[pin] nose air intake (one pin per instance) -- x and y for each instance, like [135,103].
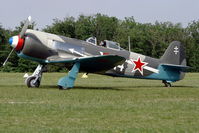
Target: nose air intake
[16,42]
[11,40]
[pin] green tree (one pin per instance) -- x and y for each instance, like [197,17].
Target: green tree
[192,45]
[65,27]
[4,46]
[105,27]
[84,27]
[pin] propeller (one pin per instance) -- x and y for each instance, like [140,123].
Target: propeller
[17,42]
[8,57]
[23,31]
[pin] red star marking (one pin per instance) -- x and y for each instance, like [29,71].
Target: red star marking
[139,65]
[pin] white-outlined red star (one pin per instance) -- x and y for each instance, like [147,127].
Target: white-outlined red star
[139,64]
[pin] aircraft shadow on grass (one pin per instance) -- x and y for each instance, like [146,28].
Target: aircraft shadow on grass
[81,87]
[118,88]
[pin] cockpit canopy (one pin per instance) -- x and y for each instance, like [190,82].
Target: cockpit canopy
[112,45]
[92,40]
[105,43]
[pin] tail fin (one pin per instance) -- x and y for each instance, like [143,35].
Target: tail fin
[175,54]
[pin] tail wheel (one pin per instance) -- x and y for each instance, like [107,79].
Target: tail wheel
[32,83]
[166,84]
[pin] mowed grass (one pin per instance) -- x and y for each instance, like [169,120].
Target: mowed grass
[99,104]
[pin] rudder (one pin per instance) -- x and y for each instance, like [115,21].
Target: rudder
[175,54]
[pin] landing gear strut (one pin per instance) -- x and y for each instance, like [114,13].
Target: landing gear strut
[167,84]
[68,81]
[35,79]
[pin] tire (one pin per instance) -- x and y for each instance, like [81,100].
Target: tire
[167,84]
[30,83]
[61,88]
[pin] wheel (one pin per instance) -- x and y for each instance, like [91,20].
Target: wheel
[31,82]
[167,84]
[61,88]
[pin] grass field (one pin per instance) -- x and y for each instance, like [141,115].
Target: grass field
[99,104]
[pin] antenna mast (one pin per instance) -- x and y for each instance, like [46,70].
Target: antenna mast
[129,39]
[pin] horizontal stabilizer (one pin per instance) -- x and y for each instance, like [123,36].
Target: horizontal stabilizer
[182,68]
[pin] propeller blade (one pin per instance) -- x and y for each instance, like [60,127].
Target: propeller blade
[8,57]
[23,31]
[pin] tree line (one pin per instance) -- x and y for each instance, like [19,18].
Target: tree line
[148,39]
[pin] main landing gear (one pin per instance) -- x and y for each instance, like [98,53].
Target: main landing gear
[65,82]
[35,79]
[68,81]
[166,83]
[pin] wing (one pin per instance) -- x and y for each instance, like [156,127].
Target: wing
[178,67]
[100,63]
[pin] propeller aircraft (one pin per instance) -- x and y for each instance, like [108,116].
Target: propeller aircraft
[107,58]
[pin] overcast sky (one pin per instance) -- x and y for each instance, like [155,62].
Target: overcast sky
[144,11]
